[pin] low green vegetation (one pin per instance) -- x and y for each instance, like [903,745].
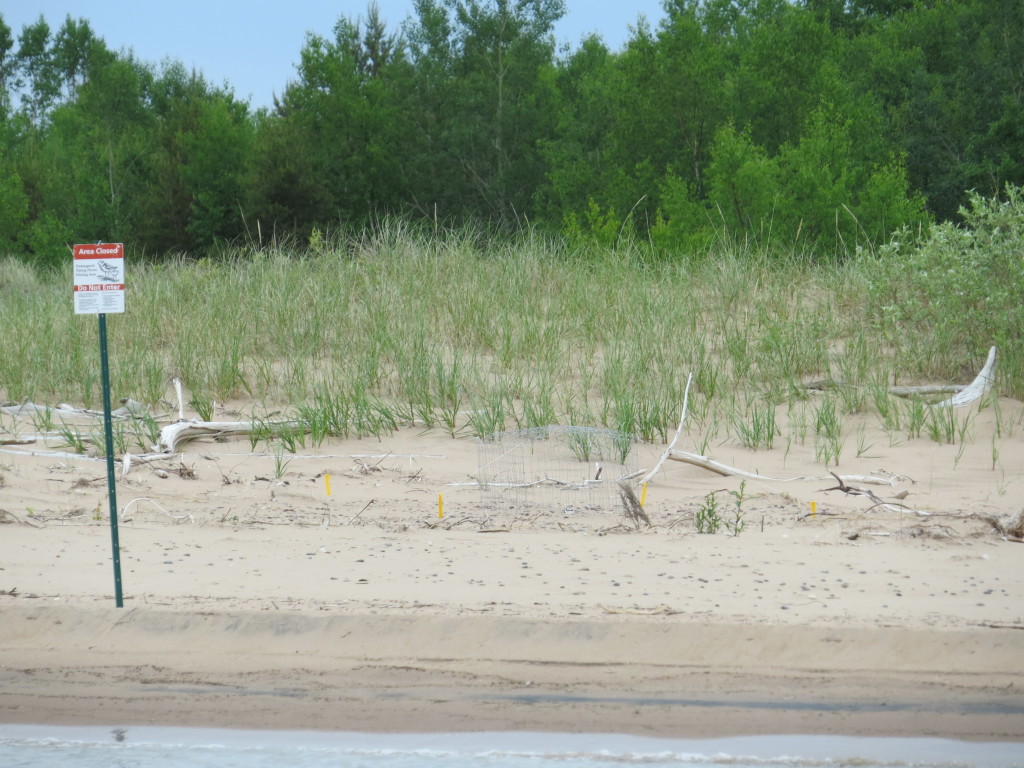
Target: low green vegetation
[710,517]
[470,335]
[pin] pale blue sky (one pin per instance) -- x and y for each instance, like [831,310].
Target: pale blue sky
[254,44]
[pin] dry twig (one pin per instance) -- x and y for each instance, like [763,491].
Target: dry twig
[850,490]
[661,610]
[631,504]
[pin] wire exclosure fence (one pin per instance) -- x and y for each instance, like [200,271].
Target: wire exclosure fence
[556,468]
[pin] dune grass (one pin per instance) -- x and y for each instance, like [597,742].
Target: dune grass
[472,335]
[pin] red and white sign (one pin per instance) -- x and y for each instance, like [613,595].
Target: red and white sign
[99,278]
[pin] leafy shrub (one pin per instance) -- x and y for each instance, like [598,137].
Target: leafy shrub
[603,227]
[947,297]
[708,517]
[46,240]
[814,194]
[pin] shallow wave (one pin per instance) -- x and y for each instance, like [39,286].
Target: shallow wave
[41,746]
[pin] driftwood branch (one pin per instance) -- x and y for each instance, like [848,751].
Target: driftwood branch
[978,388]
[174,434]
[181,400]
[668,452]
[21,520]
[962,394]
[719,468]
[661,610]
[130,409]
[572,486]
[850,490]
[725,470]
[927,389]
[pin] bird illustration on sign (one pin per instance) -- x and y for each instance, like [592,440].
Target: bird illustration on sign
[109,271]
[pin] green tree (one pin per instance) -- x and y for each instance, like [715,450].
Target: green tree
[7,63]
[689,86]
[648,123]
[887,203]
[336,146]
[574,154]
[485,73]
[744,185]
[948,75]
[80,171]
[815,193]
[218,150]
[13,202]
[193,171]
[778,78]
[74,50]
[638,149]
[436,184]
[287,190]
[37,78]
[818,175]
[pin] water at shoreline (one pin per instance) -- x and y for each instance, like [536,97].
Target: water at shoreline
[153,747]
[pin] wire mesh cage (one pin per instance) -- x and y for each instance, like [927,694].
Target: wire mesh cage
[556,468]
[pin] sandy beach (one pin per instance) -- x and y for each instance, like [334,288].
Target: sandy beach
[252,599]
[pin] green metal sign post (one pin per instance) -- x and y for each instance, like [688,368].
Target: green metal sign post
[99,289]
[108,434]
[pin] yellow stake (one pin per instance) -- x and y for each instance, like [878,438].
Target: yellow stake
[814,510]
[440,506]
[643,494]
[327,483]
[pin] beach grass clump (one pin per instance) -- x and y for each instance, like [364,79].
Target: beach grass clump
[757,428]
[72,437]
[828,429]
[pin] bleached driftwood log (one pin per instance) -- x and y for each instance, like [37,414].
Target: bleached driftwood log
[130,409]
[927,389]
[725,470]
[962,394]
[28,407]
[174,434]
[719,468]
[181,400]
[978,388]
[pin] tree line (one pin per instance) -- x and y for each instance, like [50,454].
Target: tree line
[820,125]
